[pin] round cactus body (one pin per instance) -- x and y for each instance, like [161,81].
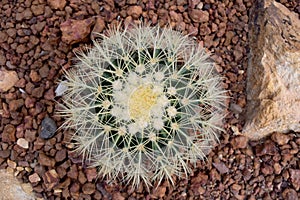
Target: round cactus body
[144,103]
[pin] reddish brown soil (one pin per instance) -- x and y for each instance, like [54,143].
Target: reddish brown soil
[31,44]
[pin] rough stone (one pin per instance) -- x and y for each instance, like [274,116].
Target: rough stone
[4,153]
[33,178]
[16,104]
[98,28]
[239,142]
[289,194]
[273,74]
[48,128]
[199,15]
[8,134]
[159,192]
[11,188]
[23,143]
[57,4]
[295,178]
[51,179]
[280,138]
[88,188]
[134,11]
[38,9]
[268,148]
[7,80]
[46,160]
[117,196]
[221,167]
[91,174]
[74,31]
[60,155]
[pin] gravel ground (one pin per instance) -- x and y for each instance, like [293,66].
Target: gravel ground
[37,44]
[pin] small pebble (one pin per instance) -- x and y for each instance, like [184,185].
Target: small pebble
[48,128]
[23,143]
[11,164]
[33,178]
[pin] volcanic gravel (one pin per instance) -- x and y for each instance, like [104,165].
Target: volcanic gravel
[37,40]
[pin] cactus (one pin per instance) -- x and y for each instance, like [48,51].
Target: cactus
[144,103]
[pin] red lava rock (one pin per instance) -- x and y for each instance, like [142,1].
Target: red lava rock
[232,76]
[236,187]
[81,177]
[62,172]
[49,94]
[46,160]
[16,104]
[12,32]
[73,173]
[43,71]
[267,169]
[277,168]
[181,2]
[74,190]
[221,167]
[295,178]
[204,29]
[38,92]
[175,16]
[214,175]
[3,36]
[37,9]
[280,138]
[60,155]
[34,76]
[208,40]
[229,36]
[2,58]
[131,2]
[57,4]
[99,25]
[201,179]
[239,142]
[91,174]
[221,29]
[64,184]
[289,194]
[268,148]
[246,174]
[26,14]
[4,153]
[238,52]
[33,178]
[8,134]
[74,31]
[30,135]
[134,11]
[38,27]
[29,87]
[199,15]
[50,179]
[88,188]
[159,192]
[117,196]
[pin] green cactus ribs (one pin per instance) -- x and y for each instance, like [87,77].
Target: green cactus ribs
[127,64]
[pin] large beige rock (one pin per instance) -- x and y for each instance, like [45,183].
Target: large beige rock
[273,74]
[12,189]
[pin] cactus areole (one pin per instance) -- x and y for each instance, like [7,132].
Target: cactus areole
[144,102]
